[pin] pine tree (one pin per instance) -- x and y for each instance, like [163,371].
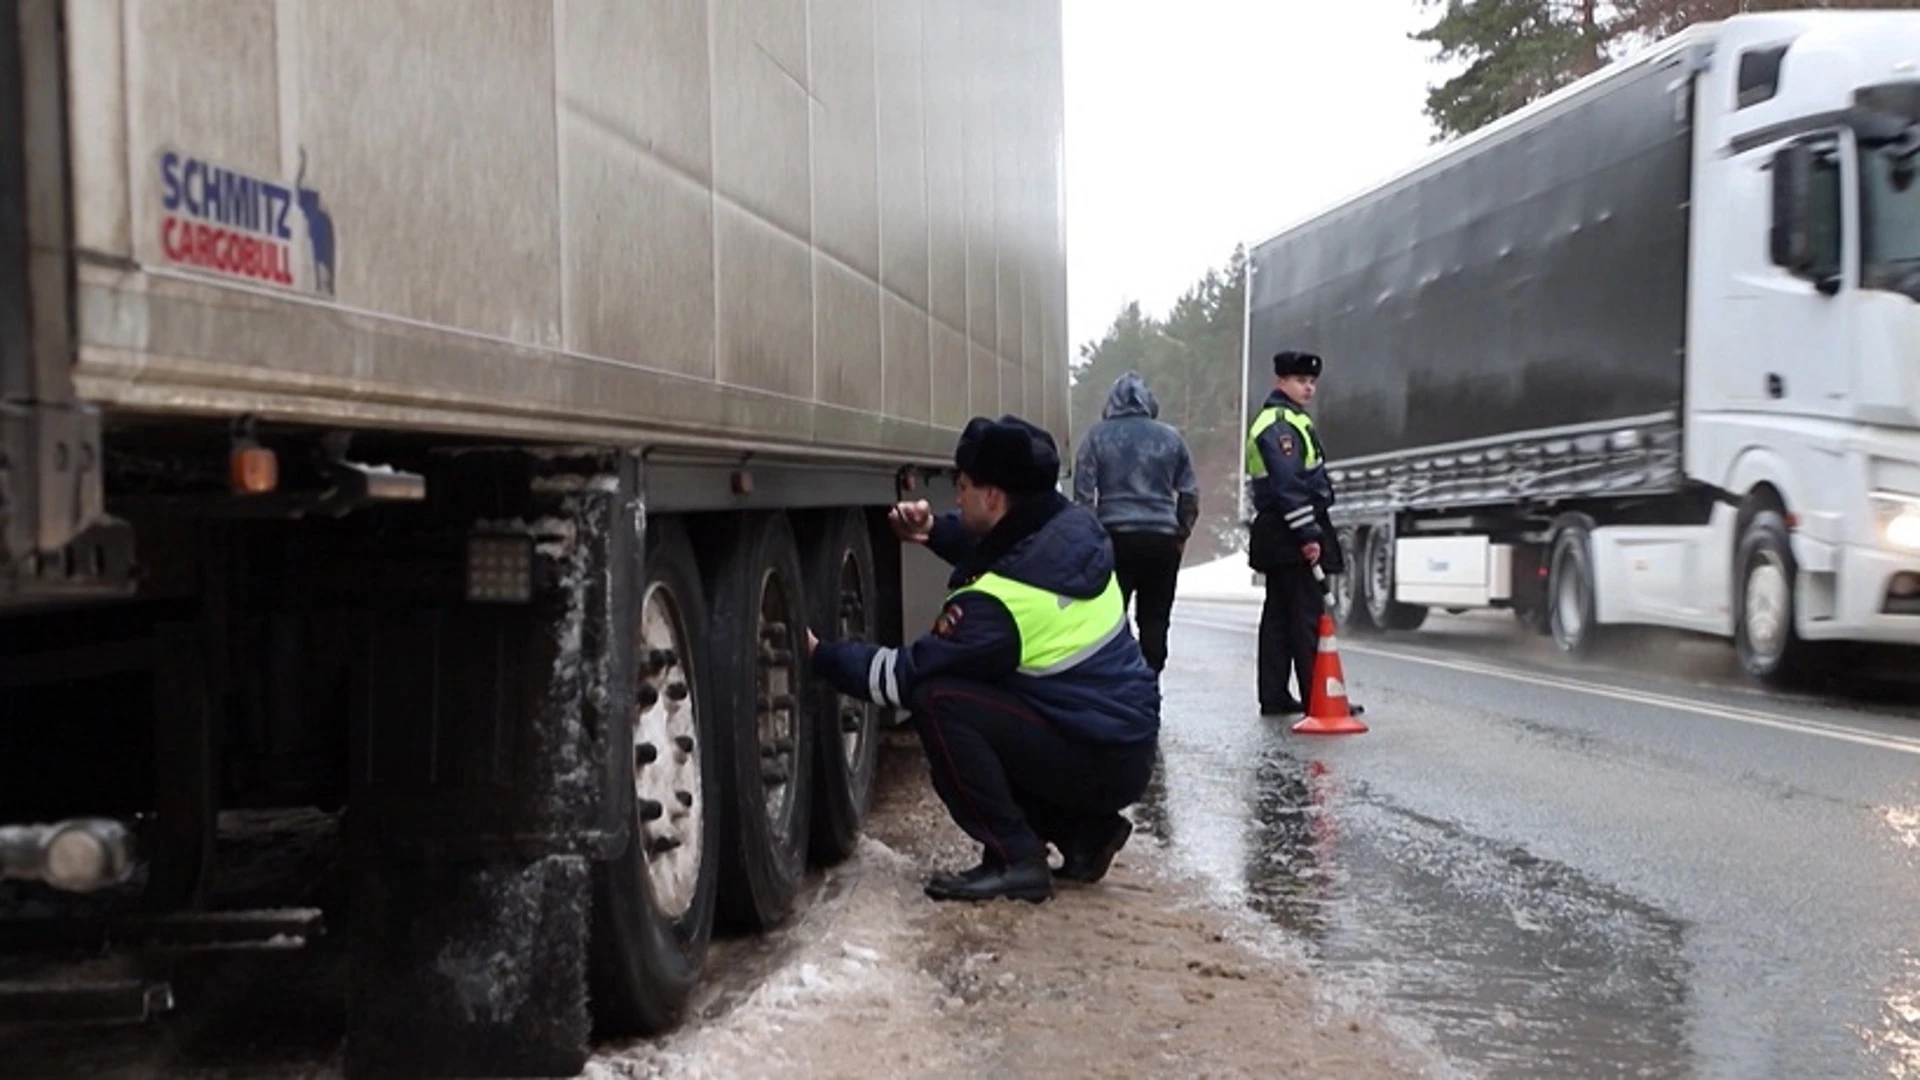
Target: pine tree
[1514,52]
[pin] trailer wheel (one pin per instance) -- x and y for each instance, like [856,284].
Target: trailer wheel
[843,598]
[1571,611]
[760,678]
[1347,601]
[1765,637]
[653,905]
[1386,612]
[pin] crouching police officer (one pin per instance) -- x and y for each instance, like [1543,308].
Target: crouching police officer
[1291,494]
[1039,716]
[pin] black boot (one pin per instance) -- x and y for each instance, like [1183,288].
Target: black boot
[1028,879]
[1088,861]
[990,864]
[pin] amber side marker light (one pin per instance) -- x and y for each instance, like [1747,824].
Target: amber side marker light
[253,470]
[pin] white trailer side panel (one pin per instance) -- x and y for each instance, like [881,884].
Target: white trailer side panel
[813,226]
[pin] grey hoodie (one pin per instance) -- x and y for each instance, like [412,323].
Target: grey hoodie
[1134,471]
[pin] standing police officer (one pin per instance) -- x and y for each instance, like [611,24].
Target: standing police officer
[1291,494]
[1039,716]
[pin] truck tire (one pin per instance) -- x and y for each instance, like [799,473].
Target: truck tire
[1386,612]
[653,905]
[1571,610]
[842,597]
[1346,599]
[759,676]
[1764,632]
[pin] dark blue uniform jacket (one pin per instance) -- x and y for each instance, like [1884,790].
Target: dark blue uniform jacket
[1046,542]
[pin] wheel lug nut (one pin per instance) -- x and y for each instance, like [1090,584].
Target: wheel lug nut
[650,810]
[647,696]
[676,691]
[685,798]
[684,742]
[646,754]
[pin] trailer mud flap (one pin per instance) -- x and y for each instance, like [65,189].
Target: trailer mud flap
[480,772]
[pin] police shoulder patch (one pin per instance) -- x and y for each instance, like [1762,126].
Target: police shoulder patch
[1286,443]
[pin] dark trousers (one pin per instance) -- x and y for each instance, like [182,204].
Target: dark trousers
[1148,564]
[1289,634]
[1013,780]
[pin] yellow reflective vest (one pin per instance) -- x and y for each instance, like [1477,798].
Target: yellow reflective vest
[1057,633]
[1296,419]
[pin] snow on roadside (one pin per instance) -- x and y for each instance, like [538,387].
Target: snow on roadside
[1226,578]
[851,995]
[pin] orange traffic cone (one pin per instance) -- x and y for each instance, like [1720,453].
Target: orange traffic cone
[1328,712]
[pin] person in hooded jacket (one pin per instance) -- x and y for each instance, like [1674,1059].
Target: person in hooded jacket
[1039,717]
[1137,476]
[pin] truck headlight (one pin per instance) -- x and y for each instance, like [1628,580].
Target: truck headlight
[1898,518]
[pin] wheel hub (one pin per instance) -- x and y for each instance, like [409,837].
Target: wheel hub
[1569,609]
[1379,575]
[1767,603]
[1342,596]
[666,766]
[775,706]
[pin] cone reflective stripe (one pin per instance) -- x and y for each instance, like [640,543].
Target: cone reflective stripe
[1328,712]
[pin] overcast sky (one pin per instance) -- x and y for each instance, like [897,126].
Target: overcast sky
[1192,125]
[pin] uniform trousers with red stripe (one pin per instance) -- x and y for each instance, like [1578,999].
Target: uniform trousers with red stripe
[1014,780]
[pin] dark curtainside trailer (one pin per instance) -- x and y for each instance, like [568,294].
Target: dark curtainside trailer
[1520,298]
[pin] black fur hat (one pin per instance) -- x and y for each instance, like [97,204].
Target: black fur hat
[1296,363]
[1009,454]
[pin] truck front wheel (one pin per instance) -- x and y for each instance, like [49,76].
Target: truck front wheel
[1765,637]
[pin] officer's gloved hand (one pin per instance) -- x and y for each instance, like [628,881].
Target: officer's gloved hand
[912,521]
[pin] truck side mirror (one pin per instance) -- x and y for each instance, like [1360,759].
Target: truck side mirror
[1792,199]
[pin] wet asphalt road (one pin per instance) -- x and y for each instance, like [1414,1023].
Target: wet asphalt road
[1636,867]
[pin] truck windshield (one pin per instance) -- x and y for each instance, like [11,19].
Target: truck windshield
[1890,223]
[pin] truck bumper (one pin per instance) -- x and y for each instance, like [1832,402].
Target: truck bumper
[1868,608]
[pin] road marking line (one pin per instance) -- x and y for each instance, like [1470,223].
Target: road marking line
[1903,744]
